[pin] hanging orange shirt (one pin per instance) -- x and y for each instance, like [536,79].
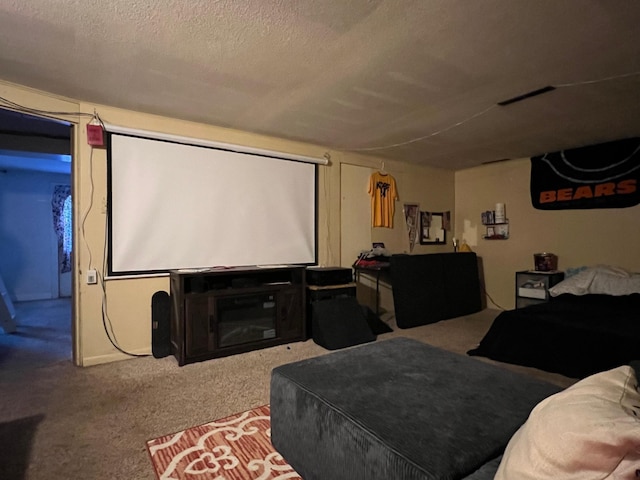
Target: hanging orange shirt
[383,193]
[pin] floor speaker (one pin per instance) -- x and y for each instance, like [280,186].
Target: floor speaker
[160,324]
[339,323]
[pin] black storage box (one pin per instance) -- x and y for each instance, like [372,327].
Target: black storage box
[329,275]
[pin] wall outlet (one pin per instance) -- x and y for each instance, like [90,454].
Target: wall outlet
[92,277]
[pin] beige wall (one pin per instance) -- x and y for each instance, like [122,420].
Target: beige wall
[127,302]
[431,188]
[578,237]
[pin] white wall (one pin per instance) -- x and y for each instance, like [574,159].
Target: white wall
[28,244]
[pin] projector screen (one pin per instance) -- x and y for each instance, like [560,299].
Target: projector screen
[178,206]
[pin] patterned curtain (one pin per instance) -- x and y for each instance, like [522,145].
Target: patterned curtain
[61,207]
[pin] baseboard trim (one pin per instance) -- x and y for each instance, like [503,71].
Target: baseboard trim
[111,357]
[32,297]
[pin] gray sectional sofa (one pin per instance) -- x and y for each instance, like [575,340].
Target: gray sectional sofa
[398,409]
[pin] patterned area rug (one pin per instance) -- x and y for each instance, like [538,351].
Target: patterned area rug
[232,448]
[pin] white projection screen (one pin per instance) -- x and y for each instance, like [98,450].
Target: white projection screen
[178,206]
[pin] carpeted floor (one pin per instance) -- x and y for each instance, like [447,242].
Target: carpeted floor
[43,335]
[16,437]
[377,326]
[94,422]
[237,447]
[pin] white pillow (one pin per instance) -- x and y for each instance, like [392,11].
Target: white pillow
[591,430]
[601,279]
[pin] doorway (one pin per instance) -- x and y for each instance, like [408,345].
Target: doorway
[35,181]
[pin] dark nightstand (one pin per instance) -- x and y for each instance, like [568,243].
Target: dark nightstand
[533,286]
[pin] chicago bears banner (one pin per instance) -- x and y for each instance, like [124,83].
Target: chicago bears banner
[599,176]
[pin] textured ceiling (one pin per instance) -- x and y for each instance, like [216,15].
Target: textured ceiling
[420,78]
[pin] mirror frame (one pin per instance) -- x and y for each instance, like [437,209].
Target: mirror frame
[432,230]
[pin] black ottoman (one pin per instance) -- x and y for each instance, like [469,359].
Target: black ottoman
[397,409]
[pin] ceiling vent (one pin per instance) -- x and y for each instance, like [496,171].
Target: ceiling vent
[533,93]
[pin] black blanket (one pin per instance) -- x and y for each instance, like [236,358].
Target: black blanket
[575,336]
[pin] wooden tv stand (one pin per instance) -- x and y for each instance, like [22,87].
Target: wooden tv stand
[220,312]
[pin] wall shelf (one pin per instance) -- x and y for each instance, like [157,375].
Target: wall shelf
[496,223]
[496,231]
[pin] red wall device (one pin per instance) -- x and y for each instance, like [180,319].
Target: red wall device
[95,135]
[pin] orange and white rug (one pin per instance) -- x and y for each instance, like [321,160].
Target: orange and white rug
[232,448]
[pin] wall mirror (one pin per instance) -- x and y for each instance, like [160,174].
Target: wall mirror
[432,230]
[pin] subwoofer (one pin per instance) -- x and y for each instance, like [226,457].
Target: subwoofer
[339,323]
[160,324]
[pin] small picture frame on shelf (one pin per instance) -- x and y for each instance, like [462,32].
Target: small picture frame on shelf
[497,231]
[502,230]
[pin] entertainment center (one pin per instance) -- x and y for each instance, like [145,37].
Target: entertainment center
[223,311]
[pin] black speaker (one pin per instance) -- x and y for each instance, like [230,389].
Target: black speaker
[377,326]
[339,323]
[161,324]
[316,295]
[322,276]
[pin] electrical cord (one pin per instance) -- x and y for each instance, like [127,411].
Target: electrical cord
[86,213]
[424,137]
[106,321]
[22,109]
[111,335]
[491,299]
[478,114]
[105,317]
[326,185]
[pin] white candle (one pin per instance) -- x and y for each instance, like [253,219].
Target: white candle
[499,213]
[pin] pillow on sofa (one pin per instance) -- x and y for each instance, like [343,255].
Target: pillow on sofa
[591,430]
[601,279]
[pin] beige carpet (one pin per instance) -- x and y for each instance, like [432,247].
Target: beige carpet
[93,423]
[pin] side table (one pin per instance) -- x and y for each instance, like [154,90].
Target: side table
[533,286]
[375,269]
